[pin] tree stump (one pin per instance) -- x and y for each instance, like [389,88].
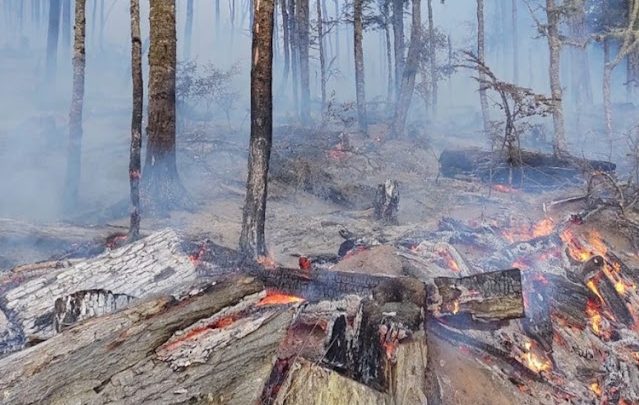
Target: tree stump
[386,203]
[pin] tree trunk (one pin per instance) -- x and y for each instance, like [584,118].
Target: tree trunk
[515,38]
[483,97]
[398,42]
[75,116]
[607,93]
[389,54]
[553,14]
[66,25]
[359,65]
[295,58]
[433,59]
[162,188]
[409,72]
[136,120]
[52,40]
[188,30]
[303,38]
[336,2]
[287,42]
[322,56]
[102,22]
[582,90]
[252,243]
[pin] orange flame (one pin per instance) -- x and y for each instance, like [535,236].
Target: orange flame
[448,259]
[274,298]
[543,228]
[534,359]
[598,324]
[596,389]
[194,333]
[579,252]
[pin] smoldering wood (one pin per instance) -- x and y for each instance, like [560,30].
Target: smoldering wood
[148,266]
[485,297]
[533,170]
[124,357]
[386,203]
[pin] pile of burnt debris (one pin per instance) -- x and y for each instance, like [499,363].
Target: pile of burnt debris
[550,309]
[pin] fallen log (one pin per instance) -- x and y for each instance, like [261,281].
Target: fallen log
[141,354]
[530,171]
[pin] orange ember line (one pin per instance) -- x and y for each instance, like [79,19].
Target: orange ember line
[449,260]
[390,348]
[199,331]
[579,252]
[279,299]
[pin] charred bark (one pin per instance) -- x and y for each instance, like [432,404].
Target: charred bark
[252,243]
[72,181]
[135,165]
[483,97]
[162,189]
[409,72]
[52,41]
[358,29]
[386,202]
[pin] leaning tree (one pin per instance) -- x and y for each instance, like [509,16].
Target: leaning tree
[162,189]
[252,242]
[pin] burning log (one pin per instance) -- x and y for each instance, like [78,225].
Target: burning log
[386,203]
[540,169]
[135,355]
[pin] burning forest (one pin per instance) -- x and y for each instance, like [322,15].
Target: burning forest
[329,202]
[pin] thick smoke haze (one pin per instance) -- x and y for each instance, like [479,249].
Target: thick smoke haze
[34,111]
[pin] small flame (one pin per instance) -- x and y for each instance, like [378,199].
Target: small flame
[579,252]
[596,389]
[274,298]
[448,259]
[593,287]
[534,359]
[543,228]
[195,333]
[598,324]
[455,307]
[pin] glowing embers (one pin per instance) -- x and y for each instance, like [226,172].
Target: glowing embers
[598,323]
[196,257]
[582,250]
[596,389]
[447,258]
[534,358]
[276,298]
[522,232]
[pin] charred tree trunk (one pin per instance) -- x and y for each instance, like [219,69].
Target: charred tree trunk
[358,29]
[553,14]
[188,30]
[389,54]
[303,38]
[287,42]
[515,38]
[295,54]
[322,56]
[252,243]
[75,115]
[409,72]
[66,25]
[432,58]
[481,55]
[398,42]
[52,40]
[162,188]
[136,120]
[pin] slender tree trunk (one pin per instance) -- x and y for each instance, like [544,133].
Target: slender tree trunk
[398,41]
[410,70]
[102,22]
[75,116]
[252,241]
[188,30]
[515,38]
[295,60]
[579,56]
[136,120]
[389,55]
[481,55]
[433,59]
[554,46]
[286,40]
[337,26]
[52,40]
[607,94]
[162,189]
[322,56]
[359,65]
[303,37]
[217,18]
[66,26]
